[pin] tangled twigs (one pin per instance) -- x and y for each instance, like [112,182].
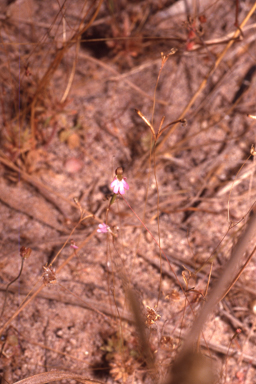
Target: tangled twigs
[212,70]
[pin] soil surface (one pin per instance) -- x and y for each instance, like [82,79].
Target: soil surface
[86,87]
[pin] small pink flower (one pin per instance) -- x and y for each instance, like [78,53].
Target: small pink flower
[119,185]
[73,245]
[103,228]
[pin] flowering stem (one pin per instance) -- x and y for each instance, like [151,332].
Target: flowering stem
[156,244]
[183,290]
[112,199]
[13,281]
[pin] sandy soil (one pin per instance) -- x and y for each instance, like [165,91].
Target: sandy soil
[70,88]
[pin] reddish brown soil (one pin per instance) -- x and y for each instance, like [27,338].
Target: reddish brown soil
[58,144]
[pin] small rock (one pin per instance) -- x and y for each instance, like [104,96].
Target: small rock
[73,165]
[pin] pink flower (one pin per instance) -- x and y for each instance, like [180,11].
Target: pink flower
[103,228]
[73,245]
[119,185]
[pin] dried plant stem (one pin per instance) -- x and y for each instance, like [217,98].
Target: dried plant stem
[220,289]
[235,179]
[140,324]
[23,305]
[72,75]
[29,299]
[126,81]
[155,242]
[212,70]
[48,377]
[65,243]
[13,281]
[239,273]
[88,238]
[53,67]
[162,252]
[164,60]
[219,348]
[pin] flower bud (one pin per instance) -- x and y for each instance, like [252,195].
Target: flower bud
[119,173]
[25,252]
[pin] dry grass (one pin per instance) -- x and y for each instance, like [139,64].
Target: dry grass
[159,291]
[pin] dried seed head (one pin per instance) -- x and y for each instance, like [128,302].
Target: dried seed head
[152,316]
[175,295]
[25,252]
[166,341]
[252,151]
[49,276]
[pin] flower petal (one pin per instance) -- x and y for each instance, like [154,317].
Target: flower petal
[113,184]
[103,228]
[121,188]
[116,188]
[126,185]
